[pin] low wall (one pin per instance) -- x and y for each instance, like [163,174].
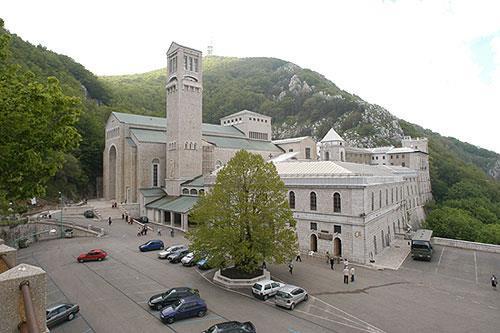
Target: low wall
[78,230]
[237,283]
[466,245]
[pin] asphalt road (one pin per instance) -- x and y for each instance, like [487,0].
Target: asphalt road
[449,294]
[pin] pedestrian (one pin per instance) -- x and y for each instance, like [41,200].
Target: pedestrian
[145,231]
[346,275]
[327,257]
[290,268]
[332,263]
[346,262]
[50,216]
[171,232]
[123,216]
[352,274]
[159,232]
[264,266]
[139,232]
[109,221]
[494,281]
[298,258]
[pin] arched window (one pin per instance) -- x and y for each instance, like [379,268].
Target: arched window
[194,146]
[336,203]
[185,191]
[201,192]
[185,145]
[155,172]
[327,156]
[312,201]
[291,199]
[193,192]
[341,155]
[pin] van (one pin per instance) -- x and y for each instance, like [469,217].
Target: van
[421,247]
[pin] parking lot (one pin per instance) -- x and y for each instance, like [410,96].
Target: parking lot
[449,294]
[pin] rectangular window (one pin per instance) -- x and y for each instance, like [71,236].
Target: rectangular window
[191,64]
[314,226]
[337,229]
[185,63]
[155,175]
[196,65]
[308,153]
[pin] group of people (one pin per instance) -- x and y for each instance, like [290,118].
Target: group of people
[114,204]
[127,219]
[143,231]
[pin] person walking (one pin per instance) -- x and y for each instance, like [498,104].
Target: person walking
[352,274]
[494,281]
[159,232]
[298,258]
[346,262]
[327,257]
[332,263]
[346,275]
[264,266]
[171,232]
[109,221]
[145,231]
[290,268]
[123,216]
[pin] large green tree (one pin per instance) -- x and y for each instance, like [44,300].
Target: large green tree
[37,129]
[245,219]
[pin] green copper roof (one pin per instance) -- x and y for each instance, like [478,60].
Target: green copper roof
[196,182]
[152,192]
[149,135]
[212,129]
[135,119]
[181,204]
[241,143]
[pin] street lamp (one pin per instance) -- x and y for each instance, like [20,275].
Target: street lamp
[62,208]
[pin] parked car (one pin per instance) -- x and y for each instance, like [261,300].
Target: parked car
[231,327]
[142,219]
[176,256]
[289,296]
[203,263]
[171,296]
[184,308]
[92,255]
[152,245]
[265,289]
[60,313]
[164,254]
[188,260]
[89,214]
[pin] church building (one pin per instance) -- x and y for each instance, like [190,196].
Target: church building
[344,200]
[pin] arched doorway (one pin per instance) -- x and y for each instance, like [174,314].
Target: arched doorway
[337,247]
[314,243]
[112,172]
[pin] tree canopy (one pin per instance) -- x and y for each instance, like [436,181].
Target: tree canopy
[37,125]
[245,220]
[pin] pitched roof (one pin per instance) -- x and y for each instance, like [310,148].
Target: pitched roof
[144,135]
[181,204]
[310,168]
[380,150]
[402,150]
[214,129]
[243,112]
[196,182]
[128,118]
[174,46]
[241,143]
[290,140]
[332,136]
[152,192]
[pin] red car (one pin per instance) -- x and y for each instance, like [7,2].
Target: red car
[92,255]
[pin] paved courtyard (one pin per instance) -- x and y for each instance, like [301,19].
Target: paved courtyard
[449,294]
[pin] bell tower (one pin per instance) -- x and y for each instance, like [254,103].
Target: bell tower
[184,116]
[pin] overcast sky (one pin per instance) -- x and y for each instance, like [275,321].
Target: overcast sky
[434,63]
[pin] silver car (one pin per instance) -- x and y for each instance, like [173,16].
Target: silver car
[289,296]
[165,253]
[60,313]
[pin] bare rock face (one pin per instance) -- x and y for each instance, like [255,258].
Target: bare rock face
[495,170]
[298,87]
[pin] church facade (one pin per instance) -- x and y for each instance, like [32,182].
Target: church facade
[345,200]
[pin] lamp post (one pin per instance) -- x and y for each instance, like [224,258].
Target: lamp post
[62,208]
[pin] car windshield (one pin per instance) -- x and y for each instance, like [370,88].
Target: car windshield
[419,245]
[257,286]
[283,294]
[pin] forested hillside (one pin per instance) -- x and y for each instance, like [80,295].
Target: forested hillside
[301,102]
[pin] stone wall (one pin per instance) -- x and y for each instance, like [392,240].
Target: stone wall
[466,245]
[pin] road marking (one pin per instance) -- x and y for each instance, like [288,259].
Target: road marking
[439,261]
[337,315]
[335,321]
[475,266]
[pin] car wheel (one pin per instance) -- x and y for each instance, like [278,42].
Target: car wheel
[99,259]
[158,307]
[265,297]
[306,297]
[162,247]
[292,306]
[71,316]
[80,261]
[170,320]
[202,313]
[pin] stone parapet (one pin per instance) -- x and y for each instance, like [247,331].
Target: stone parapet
[237,283]
[8,254]
[12,311]
[466,245]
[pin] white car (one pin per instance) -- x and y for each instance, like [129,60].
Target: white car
[188,259]
[165,253]
[266,288]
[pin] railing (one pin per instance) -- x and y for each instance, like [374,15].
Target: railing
[30,325]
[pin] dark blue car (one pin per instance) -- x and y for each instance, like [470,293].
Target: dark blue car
[152,245]
[191,306]
[203,263]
